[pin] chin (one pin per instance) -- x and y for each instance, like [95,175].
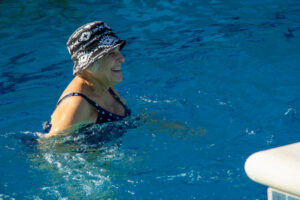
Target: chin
[118,80]
[116,77]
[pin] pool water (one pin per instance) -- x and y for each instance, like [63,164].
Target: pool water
[215,81]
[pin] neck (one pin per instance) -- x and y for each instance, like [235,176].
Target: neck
[96,85]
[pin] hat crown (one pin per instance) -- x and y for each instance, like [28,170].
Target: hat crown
[90,42]
[84,34]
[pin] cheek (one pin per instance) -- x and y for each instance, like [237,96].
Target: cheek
[107,72]
[104,68]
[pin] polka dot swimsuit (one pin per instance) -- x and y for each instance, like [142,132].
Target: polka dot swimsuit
[103,115]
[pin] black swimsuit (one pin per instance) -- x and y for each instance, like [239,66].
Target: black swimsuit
[103,115]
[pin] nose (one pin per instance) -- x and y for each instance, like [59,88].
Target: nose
[121,57]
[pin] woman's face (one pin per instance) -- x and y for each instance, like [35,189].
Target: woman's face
[110,67]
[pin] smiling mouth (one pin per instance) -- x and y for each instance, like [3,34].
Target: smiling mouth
[116,70]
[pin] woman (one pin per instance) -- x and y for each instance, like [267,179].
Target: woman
[90,97]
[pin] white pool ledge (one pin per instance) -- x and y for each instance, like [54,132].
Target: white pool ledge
[278,168]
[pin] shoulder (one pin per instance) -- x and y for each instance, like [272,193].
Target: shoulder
[76,107]
[71,111]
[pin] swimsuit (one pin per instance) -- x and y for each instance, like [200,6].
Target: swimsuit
[103,115]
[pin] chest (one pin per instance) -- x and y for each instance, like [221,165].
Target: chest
[111,105]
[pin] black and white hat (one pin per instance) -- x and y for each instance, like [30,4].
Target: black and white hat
[90,42]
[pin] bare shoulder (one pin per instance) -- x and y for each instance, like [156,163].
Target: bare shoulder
[71,111]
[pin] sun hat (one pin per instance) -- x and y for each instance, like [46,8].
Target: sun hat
[90,42]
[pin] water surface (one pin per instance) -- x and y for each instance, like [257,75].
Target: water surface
[217,80]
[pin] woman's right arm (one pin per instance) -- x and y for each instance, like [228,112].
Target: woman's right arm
[70,112]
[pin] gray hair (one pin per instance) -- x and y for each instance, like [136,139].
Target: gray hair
[94,67]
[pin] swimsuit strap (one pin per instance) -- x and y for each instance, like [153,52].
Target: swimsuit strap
[116,97]
[78,94]
[99,108]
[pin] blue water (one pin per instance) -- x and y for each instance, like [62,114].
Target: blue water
[216,80]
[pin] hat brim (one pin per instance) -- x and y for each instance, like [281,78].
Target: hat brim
[77,68]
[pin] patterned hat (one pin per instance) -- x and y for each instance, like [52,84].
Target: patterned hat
[90,42]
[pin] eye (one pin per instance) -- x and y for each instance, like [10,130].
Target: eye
[114,52]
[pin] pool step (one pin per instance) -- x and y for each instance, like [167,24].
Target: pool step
[277,168]
[279,195]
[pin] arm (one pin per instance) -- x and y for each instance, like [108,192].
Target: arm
[71,112]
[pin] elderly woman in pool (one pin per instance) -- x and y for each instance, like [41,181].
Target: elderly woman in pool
[90,97]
